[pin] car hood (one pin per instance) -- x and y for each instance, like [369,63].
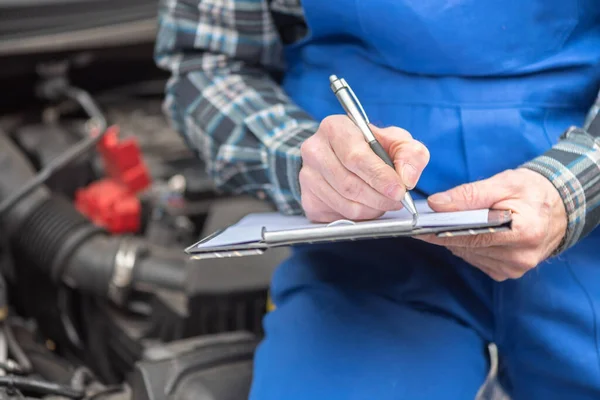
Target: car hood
[34,26]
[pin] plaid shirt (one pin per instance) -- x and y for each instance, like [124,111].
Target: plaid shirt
[223,96]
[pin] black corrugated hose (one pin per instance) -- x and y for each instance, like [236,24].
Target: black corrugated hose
[54,236]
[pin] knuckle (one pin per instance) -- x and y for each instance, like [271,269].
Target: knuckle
[351,189]
[513,181]
[469,192]
[330,126]
[356,212]
[419,149]
[320,217]
[377,177]
[403,132]
[400,133]
[305,146]
[311,214]
[315,211]
[308,204]
[526,261]
[308,150]
[303,177]
[415,154]
[382,203]
[423,152]
[508,175]
[354,159]
[327,124]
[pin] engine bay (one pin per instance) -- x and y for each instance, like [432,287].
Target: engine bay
[98,198]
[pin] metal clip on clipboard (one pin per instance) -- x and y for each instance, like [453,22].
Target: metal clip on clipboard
[337,231]
[256,233]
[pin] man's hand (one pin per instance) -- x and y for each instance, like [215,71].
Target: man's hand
[538,226]
[341,177]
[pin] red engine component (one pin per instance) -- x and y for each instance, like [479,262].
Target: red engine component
[112,202]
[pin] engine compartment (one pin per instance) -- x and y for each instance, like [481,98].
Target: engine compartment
[97,298]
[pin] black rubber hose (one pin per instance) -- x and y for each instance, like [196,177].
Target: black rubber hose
[16,169]
[154,266]
[30,385]
[61,241]
[160,267]
[49,366]
[91,266]
[51,233]
[15,349]
[56,238]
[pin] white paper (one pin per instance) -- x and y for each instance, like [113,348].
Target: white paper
[249,229]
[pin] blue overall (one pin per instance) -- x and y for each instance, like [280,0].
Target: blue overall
[486,85]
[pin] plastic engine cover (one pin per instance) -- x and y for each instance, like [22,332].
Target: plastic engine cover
[217,367]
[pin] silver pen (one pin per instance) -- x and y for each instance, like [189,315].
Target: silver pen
[357,114]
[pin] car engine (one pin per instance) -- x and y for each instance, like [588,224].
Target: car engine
[99,197]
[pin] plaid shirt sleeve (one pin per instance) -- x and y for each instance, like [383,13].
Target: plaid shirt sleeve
[573,166]
[222,98]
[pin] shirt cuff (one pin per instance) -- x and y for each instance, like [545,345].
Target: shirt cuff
[285,165]
[573,167]
[282,129]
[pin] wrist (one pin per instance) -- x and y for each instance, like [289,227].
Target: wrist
[552,202]
[568,166]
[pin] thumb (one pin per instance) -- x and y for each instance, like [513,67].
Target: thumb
[469,196]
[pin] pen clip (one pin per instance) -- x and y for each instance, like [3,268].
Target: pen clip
[360,107]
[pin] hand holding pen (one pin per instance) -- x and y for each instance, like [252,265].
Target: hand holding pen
[343,178]
[357,114]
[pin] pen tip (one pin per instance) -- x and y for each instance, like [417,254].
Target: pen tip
[415,219]
[409,204]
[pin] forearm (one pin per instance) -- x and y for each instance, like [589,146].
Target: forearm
[573,166]
[245,129]
[222,99]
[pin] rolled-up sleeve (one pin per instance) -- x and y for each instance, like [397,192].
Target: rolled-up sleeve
[224,101]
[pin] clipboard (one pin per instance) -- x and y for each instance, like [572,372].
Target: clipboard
[256,233]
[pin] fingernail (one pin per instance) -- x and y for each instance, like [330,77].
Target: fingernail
[396,192]
[440,198]
[409,176]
